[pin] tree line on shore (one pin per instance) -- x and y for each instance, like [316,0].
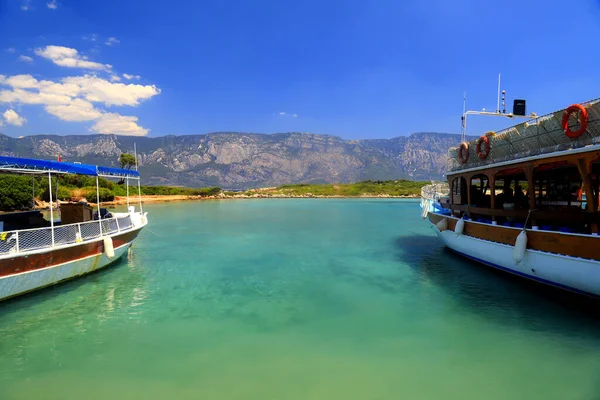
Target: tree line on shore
[19,192]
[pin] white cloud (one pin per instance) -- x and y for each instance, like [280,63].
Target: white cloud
[130,77]
[68,57]
[25,6]
[27,97]
[112,41]
[78,98]
[99,90]
[77,110]
[25,58]
[93,37]
[11,50]
[89,87]
[72,99]
[284,114]
[52,5]
[12,118]
[111,123]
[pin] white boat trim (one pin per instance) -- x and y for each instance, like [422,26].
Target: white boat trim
[574,274]
[29,281]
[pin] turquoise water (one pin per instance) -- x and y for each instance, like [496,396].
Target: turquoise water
[295,299]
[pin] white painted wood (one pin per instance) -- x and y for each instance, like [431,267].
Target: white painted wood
[570,273]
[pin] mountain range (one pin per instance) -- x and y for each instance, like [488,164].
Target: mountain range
[235,160]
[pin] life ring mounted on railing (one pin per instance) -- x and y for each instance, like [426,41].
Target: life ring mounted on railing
[483,153]
[463,153]
[582,115]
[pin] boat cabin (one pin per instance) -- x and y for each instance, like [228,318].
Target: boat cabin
[560,191]
[536,175]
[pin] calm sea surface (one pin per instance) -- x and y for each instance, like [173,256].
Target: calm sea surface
[295,299]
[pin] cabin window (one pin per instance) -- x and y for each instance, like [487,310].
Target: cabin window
[558,186]
[459,191]
[511,190]
[480,191]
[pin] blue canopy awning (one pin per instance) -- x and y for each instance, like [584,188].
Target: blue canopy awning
[118,172]
[16,164]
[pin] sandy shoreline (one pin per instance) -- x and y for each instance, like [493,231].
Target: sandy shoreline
[149,199]
[119,200]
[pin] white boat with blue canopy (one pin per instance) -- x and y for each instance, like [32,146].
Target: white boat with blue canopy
[37,251]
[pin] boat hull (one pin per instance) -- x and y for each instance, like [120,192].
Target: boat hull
[574,274]
[31,272]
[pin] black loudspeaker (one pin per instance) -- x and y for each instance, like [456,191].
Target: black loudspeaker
[519,107]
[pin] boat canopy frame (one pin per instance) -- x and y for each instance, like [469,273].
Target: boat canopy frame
[33,166]
[21,165]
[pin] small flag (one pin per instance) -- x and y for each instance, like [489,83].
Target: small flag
[59,159]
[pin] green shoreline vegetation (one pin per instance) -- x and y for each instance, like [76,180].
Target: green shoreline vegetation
[390,188]
[17,191]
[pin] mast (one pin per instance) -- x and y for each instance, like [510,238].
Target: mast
[463,133]
[498,113]
[498,104]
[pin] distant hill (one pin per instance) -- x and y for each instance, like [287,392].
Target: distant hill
[245,160]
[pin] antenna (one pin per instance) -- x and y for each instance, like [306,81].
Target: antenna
[464,118]
[504,102]
[498,106]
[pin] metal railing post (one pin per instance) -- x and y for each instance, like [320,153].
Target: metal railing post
[17,240]
[98,200]
[51,213]
[140,195]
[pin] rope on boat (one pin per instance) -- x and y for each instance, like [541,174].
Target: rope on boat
[151,231]
[528,215]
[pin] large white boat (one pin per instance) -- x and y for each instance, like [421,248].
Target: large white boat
[36,252]
[525,200]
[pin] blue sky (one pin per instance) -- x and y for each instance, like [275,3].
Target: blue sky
[355,69]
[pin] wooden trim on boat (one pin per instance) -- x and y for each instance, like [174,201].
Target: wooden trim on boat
[31,262]
[582,246]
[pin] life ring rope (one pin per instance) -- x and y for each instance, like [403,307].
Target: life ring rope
[582,115]
[463,153]
[484,140]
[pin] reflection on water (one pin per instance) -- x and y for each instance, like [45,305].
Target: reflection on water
[296,299]
[66,313]
[498,295]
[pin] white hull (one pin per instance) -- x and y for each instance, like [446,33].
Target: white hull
[569,273]
[14,285]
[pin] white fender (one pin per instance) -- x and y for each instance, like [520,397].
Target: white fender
[425,209]
[108,247]
[460,226]
[442,225]
[520,247]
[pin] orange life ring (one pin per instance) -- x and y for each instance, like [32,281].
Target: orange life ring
[583,120]
[483,155]
[463,152]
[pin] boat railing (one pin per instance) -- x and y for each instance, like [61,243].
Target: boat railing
[542,135]
[28,240]
[434,191]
